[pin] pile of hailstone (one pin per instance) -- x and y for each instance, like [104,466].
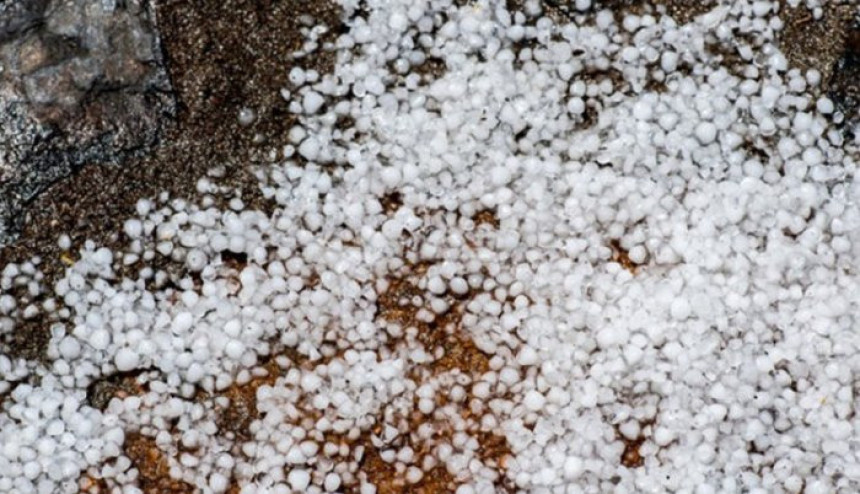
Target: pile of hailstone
[725,342]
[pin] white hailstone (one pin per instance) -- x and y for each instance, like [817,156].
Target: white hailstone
[398,22]
[576,106]
[813,77]
[638,254]
[813,156]
[534,400]
[247,116]
[234,349]
[825,105]
[573,467]
[309,148]
[527,356]
[458,285]
[391,176]
[182,322]
[297,76]
[218,482]
[426,406]
[332,482]
[69,348]
[761,8]
[436,285]
[312,102]
[669,61]
[133,228]
[299,479]
[663,437]
[55,428]
[126,359]
[196,260]
[414,475]
[99,339]
[143,207]
[706,132]
[195,373]
[680,309]
[64,242]
[642,110]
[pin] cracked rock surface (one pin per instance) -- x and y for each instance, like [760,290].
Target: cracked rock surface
[80,81]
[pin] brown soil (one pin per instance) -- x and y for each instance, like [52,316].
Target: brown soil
[153,467]
[443,333]
[622,257]
[816,44]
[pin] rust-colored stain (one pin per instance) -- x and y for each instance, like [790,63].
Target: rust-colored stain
[487,217]
[242,408]
[391,202]
[622,257]
[445,332]
[631,458]
[388,481]
[153,467]
[90,485]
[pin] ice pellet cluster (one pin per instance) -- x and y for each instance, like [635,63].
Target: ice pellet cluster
[640,257]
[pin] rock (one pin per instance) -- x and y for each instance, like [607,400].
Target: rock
[18,16]
[81,82]
[844,85]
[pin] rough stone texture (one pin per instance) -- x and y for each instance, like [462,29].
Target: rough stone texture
[844,83]
[80,81]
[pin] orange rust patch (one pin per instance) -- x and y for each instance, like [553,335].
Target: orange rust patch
[387,481]
[486,217]
[400,303]
[445,332]
[461,353]
[90,485]
[622,257]
[391,202]
[242,410]
[495,450]
[153,467]
[631,458]
[458,352]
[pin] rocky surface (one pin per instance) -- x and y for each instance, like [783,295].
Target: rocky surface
[80,82]
[844,85]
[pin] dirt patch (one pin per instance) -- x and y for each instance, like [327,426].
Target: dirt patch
[241,411]
[154,468]
[397,304]
[682,11]
[621,256]
[223,56]
[121,385]
[843,86]
[815,44]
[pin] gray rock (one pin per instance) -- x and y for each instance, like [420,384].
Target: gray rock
[81,81]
